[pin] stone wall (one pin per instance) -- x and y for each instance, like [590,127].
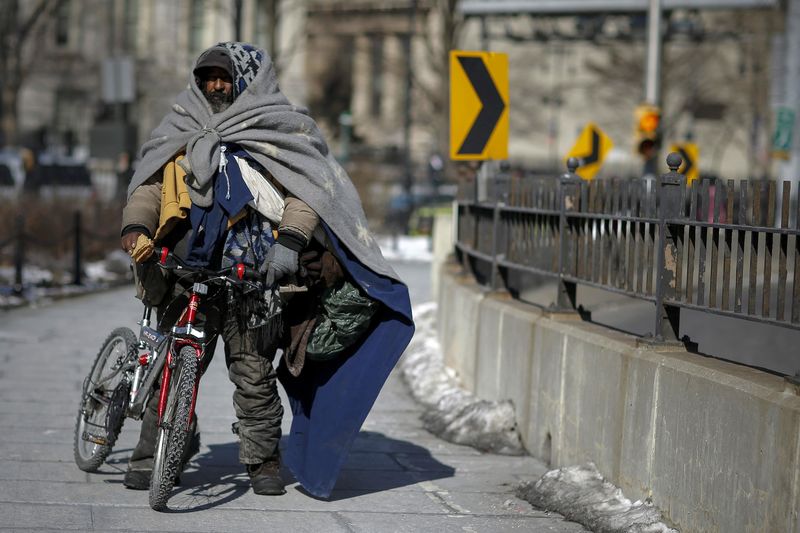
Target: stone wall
[715,445]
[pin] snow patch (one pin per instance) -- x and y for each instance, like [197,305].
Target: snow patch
[39,286]
[406,248]
[451,412]
[30,275]
[581,494]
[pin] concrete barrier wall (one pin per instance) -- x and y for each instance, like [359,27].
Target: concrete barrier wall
[715,445]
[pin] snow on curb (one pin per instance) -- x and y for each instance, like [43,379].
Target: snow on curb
[452,413]
[581,494]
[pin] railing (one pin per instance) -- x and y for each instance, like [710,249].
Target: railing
[726,248]
[71,239]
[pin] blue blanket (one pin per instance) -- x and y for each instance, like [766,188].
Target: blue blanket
[331,400]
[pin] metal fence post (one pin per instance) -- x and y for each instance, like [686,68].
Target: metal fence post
[77,278]
[667,326]
[19,253]
[567,183]
[496,227]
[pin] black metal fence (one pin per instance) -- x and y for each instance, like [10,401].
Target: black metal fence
[71,239]
[724,247]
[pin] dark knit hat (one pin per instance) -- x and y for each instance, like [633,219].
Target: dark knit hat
[216,56]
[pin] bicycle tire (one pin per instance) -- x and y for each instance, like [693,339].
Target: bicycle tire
[173,436]
[93,419]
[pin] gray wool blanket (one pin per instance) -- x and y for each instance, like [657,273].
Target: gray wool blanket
[280,136]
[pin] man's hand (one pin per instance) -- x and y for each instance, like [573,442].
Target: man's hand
[138,245]
[279,263]
[128,241]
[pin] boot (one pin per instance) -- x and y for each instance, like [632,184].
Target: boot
[266,477]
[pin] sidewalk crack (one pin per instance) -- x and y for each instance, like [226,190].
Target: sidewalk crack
[453,508]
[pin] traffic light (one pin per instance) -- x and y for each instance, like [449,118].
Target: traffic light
[648,134]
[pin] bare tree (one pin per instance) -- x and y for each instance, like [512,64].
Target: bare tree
[16,30]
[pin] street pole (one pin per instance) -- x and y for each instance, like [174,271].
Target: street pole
[408,177]
[237,21]
[652,82]
[650,148]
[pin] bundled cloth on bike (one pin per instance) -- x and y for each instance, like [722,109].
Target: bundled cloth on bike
[329,401]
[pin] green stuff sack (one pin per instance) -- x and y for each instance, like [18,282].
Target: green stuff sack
[345,316]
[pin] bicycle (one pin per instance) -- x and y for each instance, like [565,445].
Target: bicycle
[124,371]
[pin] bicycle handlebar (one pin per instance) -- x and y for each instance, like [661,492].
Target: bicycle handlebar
[238,274]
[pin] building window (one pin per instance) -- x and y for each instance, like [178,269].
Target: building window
[376,68]
[69,117]
[131,25]
[62,23]
[197,10]
[260,21]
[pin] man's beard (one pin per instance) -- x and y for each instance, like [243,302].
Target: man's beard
[219,101]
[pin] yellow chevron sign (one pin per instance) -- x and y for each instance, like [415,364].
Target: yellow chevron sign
[478,105]
[591,149]
[690,153]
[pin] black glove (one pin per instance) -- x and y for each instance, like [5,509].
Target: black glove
[280,262]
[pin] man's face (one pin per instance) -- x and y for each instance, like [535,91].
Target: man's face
[217,86]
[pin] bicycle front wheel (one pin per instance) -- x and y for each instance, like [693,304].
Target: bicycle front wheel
[174,433]
[103,399]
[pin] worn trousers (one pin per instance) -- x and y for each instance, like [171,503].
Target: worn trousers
[249,361]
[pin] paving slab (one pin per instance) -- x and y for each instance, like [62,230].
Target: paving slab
[216,519]
[29,515]
[456,523]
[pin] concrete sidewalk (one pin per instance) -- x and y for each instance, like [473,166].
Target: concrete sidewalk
[398,476]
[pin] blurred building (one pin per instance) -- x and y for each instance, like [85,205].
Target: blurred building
[100,74]
[719,77]
[113,67]
[358,58]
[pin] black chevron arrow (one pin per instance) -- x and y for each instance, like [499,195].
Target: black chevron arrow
[594,155]
[687,161]
[493,105]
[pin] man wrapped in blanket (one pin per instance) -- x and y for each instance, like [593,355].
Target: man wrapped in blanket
[231,165]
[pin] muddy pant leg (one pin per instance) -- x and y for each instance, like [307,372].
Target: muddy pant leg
[142,456]
[255,399]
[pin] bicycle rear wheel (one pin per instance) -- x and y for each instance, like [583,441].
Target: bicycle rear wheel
[174,433]
[103,398]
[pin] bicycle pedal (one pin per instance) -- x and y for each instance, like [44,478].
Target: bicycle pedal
[94,439]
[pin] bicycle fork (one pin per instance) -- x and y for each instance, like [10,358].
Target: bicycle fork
[189,337]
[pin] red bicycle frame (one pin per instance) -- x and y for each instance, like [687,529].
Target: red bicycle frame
[186,320]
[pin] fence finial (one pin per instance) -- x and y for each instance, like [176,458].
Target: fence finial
[572,164]
[674,161]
